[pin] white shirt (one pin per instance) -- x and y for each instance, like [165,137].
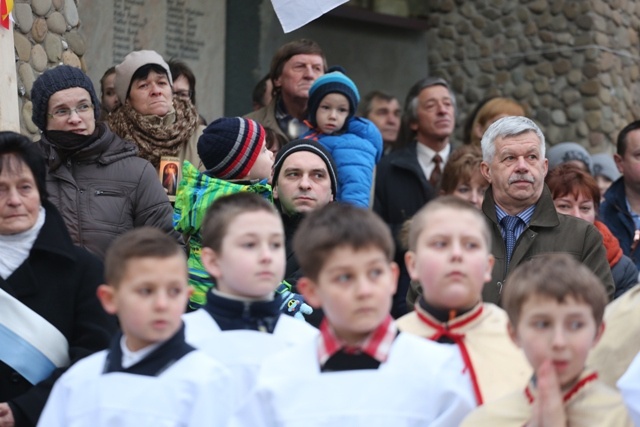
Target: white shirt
[426,155]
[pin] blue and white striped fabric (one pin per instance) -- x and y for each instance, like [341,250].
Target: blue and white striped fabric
[525,216]
[31,345]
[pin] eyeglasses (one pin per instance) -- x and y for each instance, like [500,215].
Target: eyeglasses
[184,94]
[61,113]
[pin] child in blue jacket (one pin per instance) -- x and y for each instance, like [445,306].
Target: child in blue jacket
[354,142]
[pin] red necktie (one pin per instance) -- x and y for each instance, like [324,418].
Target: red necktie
[434,179]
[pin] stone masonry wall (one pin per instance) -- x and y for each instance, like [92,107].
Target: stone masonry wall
[45,34]
[574,65]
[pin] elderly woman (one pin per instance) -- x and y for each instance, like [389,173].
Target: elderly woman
[95,179]
[161,125]
[49,313]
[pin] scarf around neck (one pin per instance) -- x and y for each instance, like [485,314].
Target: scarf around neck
[15,248]
[156,136]
[68,143]
[611,243]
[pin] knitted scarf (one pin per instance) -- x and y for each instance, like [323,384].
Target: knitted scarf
[611,244]
[156,136]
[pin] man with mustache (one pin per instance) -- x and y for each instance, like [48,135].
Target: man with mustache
[520,209]
[409,176]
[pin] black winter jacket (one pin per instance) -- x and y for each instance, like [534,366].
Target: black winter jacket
[58,281]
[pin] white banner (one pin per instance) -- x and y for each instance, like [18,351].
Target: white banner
[293,14]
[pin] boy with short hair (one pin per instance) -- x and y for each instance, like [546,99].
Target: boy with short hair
[359,370]
[555,307]
[355,143]
[450,257]
[241,323]
[147,376]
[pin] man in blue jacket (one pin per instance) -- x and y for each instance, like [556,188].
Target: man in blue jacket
[620,210]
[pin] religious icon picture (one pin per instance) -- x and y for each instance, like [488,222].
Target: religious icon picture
[169,174]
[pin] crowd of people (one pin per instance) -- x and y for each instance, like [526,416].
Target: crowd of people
[327,259]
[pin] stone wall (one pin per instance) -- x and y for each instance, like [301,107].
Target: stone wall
[572,64]
[193,31]
[45,34]
[81,33]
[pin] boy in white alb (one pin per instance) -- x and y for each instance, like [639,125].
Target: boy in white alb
[555,306]
[450,256]
[241,323]
[359,371]
[149,376]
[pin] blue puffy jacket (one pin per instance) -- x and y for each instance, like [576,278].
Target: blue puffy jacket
[355,153]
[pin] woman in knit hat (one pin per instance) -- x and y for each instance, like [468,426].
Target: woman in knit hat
[234,153]
[95,179]
[354,142]
[572,153]
[163,127]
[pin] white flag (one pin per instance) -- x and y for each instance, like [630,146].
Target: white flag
[293,14]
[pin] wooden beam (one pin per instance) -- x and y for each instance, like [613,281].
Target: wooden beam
[9,110]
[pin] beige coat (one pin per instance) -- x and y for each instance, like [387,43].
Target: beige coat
[620,341]
[591,404]
[500,366]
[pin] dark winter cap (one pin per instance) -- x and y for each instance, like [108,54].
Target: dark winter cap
[54,80]
[334,82]
[312,147]
[230,146]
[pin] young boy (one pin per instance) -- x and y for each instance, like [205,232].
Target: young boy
[243,250]
[149,376]
[450,256]
[555,307]
[236,158]
[354,143]
[359,371]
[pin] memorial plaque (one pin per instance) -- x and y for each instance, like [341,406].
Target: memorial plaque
[190,30]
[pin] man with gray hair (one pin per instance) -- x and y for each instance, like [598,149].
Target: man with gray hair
[409,176]
[520,209]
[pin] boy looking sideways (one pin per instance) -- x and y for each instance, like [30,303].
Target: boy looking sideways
[147,376]
[241,323]
[359,371]
[555,306]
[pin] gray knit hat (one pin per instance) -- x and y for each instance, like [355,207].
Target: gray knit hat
[567,151]
[54,80]
[604,165]
[127,68]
